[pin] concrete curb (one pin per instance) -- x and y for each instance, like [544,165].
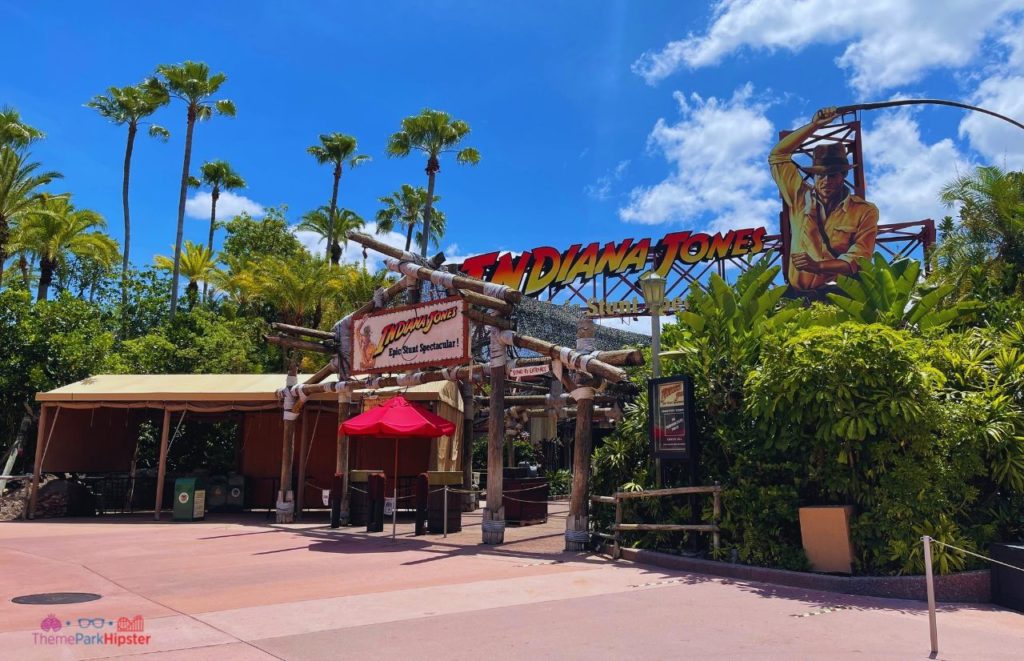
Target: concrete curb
[965,587]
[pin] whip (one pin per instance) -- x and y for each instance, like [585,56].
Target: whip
[935,102]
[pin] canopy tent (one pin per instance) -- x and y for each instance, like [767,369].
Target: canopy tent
[397,419]
[91,426]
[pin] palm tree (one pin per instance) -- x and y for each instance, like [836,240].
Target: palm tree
[319,222]
[129,105]
[192,83]
[20,182]
[55,229]
[432,132]
[988,243]
[196,263]
[299,287]
[405,208]
[219,176]
[335,149]
[14,132]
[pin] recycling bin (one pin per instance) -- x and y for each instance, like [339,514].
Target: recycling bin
[189,499]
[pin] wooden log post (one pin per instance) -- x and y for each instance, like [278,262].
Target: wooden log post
[577,529]
[161,470]
[37,467]
[494,515]
[469,503]
[285,495]
[300,495]
[341,459]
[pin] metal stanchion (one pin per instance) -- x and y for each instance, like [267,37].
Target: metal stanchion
[930,585]
[446,510]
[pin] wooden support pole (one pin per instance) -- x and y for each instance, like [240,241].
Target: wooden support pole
[526,385]
[161,470]
[506,294]
[302,345]
[285,495]
[469,503]
[494,515]
[577,523]
[617,548]
[717,514]
[300,495]
[541,400]
[37,467]
[341,458]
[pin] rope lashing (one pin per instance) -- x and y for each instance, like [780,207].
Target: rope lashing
[497,348]
[577,536]
[495,290]
[343,341]
[291,379]
[450,373]
[413,379]
[576,360]
[379,299]
[287,398]
[442,279]
[492,525]
[407,269]
[582,394]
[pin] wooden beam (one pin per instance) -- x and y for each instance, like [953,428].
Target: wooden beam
[489,319]
[595,366]
[470,500]
[321,374]
[37,466]
[301,345]
[663,527]
[161,471]
[385,249]
[301,330]
[285,493]
[486,301]
[675,491]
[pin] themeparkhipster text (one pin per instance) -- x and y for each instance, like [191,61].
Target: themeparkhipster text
[534,270]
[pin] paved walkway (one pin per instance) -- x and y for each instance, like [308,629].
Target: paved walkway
[240,587]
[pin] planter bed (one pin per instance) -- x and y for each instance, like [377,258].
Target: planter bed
[963,587]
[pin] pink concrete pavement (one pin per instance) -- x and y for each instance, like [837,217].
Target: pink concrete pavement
[242,588]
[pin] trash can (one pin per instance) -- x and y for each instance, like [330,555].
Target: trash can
[189,499]
[236,493]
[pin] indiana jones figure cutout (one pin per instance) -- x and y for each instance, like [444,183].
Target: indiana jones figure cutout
[830,226]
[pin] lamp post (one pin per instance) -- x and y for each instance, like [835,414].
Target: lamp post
[653,287]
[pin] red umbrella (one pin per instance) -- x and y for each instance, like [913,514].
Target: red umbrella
[397,418]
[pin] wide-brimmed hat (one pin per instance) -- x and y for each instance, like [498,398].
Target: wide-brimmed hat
[828,158]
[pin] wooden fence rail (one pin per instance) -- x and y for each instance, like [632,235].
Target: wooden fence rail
[619,527]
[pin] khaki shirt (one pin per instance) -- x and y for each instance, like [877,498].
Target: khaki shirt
[851,227]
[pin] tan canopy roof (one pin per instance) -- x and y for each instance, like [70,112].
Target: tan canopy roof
[242,388]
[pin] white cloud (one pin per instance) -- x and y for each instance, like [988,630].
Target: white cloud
[999,142]
[229,205]
[905,174]
[353,252]
[718,150]
[601,189]
[888,43]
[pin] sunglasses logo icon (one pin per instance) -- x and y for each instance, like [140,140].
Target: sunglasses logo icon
[95,622]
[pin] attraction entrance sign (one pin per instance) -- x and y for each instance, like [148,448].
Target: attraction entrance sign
[602,278]
[398,339]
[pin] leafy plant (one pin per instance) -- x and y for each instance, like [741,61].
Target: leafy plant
[889,294]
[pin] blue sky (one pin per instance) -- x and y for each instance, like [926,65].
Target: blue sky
[596,120]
